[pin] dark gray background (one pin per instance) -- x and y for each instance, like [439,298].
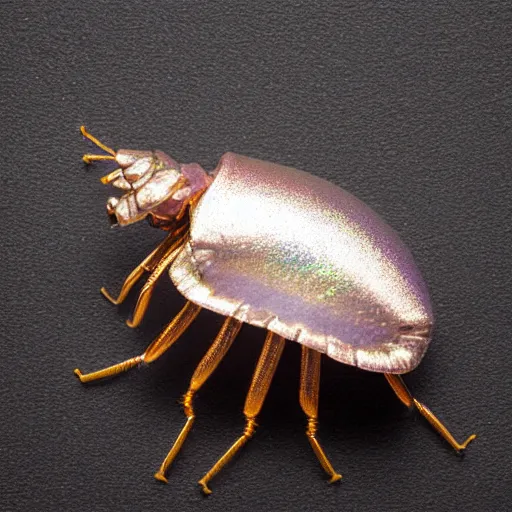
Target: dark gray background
[406,104]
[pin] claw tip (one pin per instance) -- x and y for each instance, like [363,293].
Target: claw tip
[206,490]
[471,438]
[336,478]
[107,296]
[161,478]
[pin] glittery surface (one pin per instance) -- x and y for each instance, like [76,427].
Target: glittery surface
[196,180]
[155,183]
[279,248]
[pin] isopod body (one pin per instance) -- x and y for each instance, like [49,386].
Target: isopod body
[280,249]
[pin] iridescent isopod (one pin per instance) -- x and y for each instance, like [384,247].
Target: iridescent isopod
[277,248]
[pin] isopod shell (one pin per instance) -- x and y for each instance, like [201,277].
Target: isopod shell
[282,249]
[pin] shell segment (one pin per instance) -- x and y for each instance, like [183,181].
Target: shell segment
[281,249]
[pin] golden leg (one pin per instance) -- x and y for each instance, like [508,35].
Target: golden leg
[147,289]
[309,392]
[164,341]
[147,265]
[407,399]
[188,205]
[265,369]
[206,367]
[110,371]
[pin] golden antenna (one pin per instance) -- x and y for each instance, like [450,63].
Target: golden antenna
[91,158]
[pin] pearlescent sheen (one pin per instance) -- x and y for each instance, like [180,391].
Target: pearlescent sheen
[282,249]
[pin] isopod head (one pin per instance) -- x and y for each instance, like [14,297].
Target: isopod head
[155,185]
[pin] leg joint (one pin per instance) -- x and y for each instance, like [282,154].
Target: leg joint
[187,404]
[250,427]
[312,427]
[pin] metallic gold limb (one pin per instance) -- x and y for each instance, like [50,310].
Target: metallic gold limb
[147,290]
[265,369]
[189,204]
[94,140]
[206,367]
[147,265]
[110,371]
[309,393]
[172,332]
[405,396]
[88,158]
[164,341]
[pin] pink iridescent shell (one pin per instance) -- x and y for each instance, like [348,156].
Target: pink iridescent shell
[278,248]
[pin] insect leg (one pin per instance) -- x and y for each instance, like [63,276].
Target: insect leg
[407,399]
[206,367]
[309,391]
[265,369]
[147,289]
[164,341]
[147,265]
[188,205]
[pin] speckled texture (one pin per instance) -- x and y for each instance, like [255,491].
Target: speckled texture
[281,249]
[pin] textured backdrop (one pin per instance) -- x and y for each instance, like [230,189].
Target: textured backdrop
[406,104]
